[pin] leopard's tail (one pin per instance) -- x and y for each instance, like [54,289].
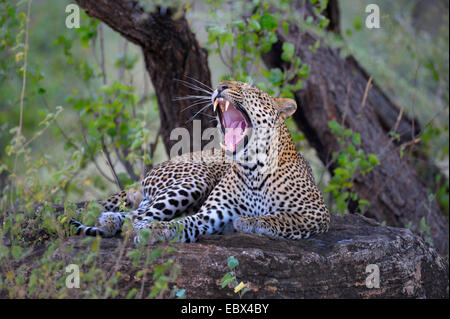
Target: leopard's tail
[110,225]
[87,230]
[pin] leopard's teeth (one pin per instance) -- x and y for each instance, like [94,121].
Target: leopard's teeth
[227,104]
[215,104]
[244,132]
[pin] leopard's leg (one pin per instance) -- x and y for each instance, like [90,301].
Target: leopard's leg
[213,217]
[214,221]
[110,222]
[298,217]
[124,199]
[182,199]
[173,201]
[284,225]
[219,211]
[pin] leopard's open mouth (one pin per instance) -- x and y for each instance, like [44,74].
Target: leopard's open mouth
[235,124]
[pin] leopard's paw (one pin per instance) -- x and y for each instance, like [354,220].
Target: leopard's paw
[134,197]
[156,232]
[245,224]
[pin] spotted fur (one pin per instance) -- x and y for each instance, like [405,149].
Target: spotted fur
[271,192]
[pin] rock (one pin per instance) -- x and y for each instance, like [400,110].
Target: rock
[331,265]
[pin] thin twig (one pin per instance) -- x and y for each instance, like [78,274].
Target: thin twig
[399,118]
[229,66]
[154,144]
[122,63]
[366,93]
[83,134]
[22,94]
[58,126]
[102,66]
[413,103]
[108,161]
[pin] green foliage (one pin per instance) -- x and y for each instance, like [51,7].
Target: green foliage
[163,274]
[230,280]
[247,39]
[105,118]
[351,161]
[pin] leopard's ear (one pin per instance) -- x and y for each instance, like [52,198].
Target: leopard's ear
[286,107]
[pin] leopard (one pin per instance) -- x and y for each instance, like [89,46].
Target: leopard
[255,183]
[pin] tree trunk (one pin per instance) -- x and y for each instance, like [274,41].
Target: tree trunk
[335,91]
[171,53]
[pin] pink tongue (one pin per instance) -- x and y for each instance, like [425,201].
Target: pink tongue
[233,134]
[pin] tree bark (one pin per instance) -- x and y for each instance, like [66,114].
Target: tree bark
[335,91]
[331,265]
[171,53]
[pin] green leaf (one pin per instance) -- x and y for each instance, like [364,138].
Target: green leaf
[351,149]
[357,24]
[232,262]
[240,24]
[276,76]
[356,138]
[254,25]
[16,252]
[288,51]
[285,26]
[348,132]
[343,159]
[131,293]
[373,159]
[225,38]
[226,279]
[303,71]
[335,127]
[341,172]
[268,21]
[363,202]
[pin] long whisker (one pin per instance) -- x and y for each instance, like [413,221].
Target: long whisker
[188,97]
[209,115]
[203,84]
[193,86]
[201,110]
[190,106]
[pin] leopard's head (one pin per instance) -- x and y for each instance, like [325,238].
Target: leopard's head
[241,107]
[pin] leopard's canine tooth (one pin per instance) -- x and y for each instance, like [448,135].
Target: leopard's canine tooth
[227,103]
[215,104]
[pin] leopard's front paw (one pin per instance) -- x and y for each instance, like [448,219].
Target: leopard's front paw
[134,197]
[156,232]
[245,224]
[162,232]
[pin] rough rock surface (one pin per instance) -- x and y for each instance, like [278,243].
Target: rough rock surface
[332,265]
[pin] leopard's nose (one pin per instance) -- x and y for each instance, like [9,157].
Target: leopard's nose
[222,87]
